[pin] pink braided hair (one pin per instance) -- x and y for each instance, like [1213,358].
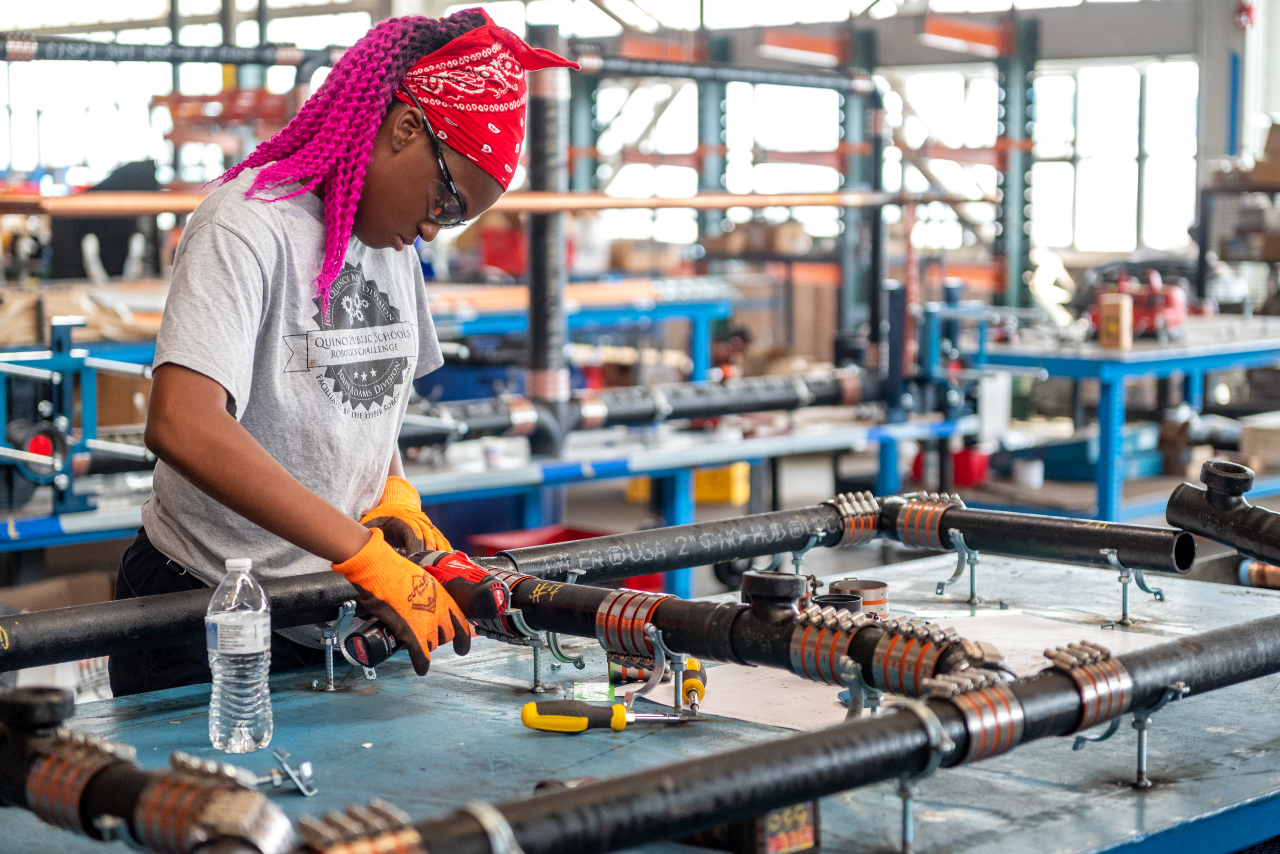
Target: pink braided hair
[329,140]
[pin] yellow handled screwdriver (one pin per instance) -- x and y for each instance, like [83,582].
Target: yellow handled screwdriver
[694,686]
[577,716]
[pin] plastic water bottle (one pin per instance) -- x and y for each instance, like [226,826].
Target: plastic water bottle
[238,636]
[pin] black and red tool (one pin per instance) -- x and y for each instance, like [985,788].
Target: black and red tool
[478,592]
[480,595]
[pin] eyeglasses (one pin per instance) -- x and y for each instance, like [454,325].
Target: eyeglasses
[445,206]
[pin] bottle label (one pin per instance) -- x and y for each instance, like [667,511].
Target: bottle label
[238,633]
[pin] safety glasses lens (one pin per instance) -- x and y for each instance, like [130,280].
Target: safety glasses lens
[445,208]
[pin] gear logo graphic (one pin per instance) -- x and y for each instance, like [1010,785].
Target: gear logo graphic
[362,352]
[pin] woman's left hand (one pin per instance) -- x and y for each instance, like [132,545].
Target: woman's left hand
[399,515]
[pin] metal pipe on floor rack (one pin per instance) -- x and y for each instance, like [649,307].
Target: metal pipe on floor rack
[68,634]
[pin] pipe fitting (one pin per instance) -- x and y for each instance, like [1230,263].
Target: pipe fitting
[773,596]
[1220,511]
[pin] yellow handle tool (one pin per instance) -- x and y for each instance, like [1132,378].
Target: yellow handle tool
[694,687]
[577,716]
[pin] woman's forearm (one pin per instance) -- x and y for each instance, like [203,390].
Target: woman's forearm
[189,428]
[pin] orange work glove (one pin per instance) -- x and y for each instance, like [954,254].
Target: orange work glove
[399,515]
[407,600]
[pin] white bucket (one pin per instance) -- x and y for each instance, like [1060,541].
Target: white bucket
[1028,473]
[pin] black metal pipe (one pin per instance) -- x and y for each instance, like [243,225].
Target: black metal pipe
[1054,538]
[67,634]
[1222,513]
[857,82]
[665,549]
[148,622]
[547,380]
[16,48]
[639,405]
[893,349]
[674,800]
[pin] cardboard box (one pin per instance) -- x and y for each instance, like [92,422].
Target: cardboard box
[645,256]
[1260,437]
[122,400]
[63,591]
[1265,173]
[789,238]
[1272,148]
[1115,321]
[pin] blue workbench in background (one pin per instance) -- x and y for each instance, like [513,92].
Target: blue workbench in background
[1211,344]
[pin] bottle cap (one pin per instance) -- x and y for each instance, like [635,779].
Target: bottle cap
[237,564]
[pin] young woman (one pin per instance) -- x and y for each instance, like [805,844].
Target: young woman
[296,324]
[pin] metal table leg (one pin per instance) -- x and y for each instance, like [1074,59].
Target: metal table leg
[1110,463]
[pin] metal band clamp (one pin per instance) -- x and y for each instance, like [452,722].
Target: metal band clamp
[940,744]
[1106,688]
[622,618]
[502,839]
[859,515]
[919,520]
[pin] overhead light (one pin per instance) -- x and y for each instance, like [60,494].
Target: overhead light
[883,9]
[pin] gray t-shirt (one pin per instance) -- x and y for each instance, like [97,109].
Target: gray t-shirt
[324,396]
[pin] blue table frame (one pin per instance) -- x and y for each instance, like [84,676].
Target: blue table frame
[1211,345]
[699,313]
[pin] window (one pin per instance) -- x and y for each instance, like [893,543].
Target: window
[1115,151]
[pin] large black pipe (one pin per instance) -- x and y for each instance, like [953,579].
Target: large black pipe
[547,380]
[1055,538]
[1221,512]
[67,634]
[148,622]
[618,556]
[673,801]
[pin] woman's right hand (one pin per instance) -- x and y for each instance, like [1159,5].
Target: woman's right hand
[407,599]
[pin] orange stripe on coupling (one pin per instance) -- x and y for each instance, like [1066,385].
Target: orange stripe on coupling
[1093,706]
[804,645]
[924,654]
[984,704]
[888,656]
[1006,743]
[928,526]
[833,657]
[900,667]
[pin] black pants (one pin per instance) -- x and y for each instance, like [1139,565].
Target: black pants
[144,571]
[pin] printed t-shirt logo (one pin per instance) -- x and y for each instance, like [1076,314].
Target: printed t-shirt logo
[360,354]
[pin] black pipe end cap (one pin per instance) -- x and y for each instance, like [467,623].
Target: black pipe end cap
[774,585]
[1228,477]
[36,707]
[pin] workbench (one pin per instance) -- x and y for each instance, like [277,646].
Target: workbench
[1210,344]
[588,456]
[431,745]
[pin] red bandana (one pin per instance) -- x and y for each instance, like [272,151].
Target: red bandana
[474,91]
